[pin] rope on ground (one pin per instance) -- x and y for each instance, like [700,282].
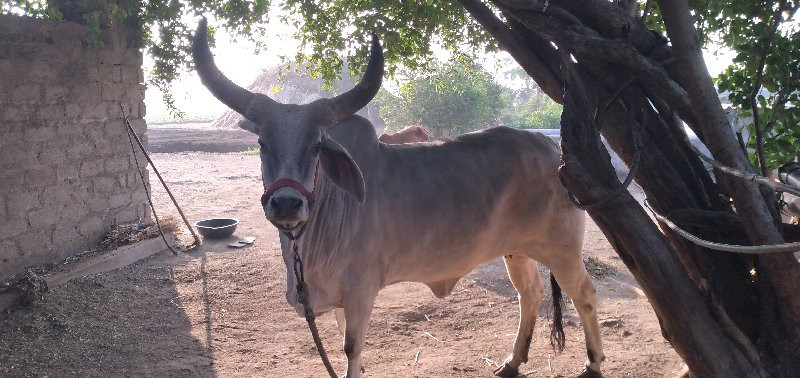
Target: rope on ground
[131,136]
[744,249]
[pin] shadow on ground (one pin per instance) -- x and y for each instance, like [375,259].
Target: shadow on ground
[127,322]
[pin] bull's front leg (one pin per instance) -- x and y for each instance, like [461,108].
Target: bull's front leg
[357,310]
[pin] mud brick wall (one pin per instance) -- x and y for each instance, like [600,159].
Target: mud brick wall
[66,166]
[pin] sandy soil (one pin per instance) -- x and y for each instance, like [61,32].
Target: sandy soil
[186,137]
[218,311]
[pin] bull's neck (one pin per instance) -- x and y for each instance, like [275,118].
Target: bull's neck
[335,217]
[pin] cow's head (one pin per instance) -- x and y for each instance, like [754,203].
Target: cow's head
[295,148]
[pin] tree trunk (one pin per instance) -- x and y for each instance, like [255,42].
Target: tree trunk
[726,321]
[781,286]
[687,323]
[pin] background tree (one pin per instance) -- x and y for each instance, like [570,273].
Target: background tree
[532,111]
[764,79]
[724,314]
[530,107]
[462,96]
[452,98]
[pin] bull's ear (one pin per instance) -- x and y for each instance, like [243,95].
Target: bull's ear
[248,125]
[340,168]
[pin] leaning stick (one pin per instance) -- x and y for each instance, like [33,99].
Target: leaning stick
[146,156]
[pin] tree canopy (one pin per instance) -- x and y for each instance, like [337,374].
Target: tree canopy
[764,79]
[766,43]
[163,28]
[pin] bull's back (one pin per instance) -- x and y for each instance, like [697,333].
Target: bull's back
[464,199]
[479,166]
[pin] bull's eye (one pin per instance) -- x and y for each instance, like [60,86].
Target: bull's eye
[317,147]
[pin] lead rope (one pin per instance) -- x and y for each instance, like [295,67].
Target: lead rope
[302,297]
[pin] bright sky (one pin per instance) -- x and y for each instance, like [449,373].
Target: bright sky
[239,62]
[236,58]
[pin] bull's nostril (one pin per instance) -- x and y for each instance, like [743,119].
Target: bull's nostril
[297,204]
[286,207]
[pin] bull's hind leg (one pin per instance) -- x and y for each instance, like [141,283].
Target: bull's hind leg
[572,277]
[525,276]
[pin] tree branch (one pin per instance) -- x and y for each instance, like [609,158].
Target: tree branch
[527,59]
[629,6]
[778,105]
[650,73]
[588,45]
[646,10]
[540,7]
[544,49]
[613,22]
[531,5]
[587,174]
[712,119]
[776,20]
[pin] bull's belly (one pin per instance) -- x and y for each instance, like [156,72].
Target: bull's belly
[433,263]
[437,267]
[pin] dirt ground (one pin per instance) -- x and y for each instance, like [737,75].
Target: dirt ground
[198,137]
[219,311]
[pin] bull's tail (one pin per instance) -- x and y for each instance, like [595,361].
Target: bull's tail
[557,326]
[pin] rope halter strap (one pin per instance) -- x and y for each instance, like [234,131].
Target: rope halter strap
[310,195]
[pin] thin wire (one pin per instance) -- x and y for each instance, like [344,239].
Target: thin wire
[745,249]
[637,144]
[747,176]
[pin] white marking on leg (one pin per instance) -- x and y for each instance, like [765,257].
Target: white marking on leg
[357,310]
[574,280]
[340,321]
[524,274]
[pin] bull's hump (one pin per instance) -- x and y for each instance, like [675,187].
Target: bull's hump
[509,137]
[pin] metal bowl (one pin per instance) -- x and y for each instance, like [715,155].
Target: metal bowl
[217,228]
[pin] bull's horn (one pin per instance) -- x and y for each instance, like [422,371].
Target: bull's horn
[237,98]
[345,104]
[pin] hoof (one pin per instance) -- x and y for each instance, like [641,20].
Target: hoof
[589,373]
[506,371]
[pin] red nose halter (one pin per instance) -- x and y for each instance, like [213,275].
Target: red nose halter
[294,184]
[295,232]
[287,183]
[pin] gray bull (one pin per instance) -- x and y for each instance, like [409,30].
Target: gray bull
[376,214]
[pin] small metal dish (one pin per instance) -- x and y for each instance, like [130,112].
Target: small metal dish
[217,228]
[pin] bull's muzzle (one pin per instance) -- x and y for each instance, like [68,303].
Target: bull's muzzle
[285,207]
[286,204]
